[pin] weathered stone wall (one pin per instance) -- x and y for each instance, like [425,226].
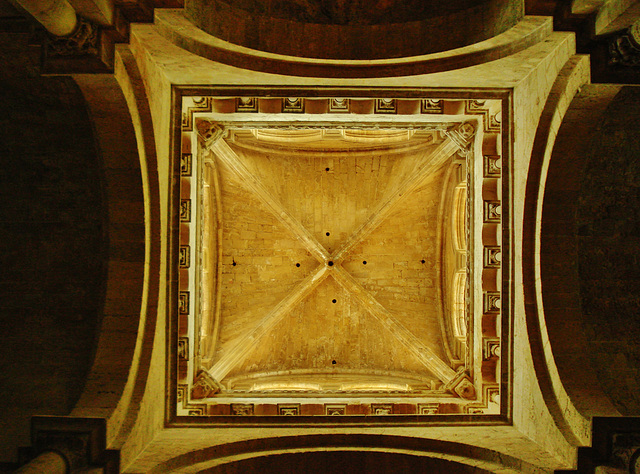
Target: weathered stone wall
[608,235]
[589,249]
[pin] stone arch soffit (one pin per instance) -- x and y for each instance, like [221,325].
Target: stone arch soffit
[573,426]
[208,458]
[125,135]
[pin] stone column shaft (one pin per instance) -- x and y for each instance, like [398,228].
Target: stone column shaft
[48,462]
[57,16]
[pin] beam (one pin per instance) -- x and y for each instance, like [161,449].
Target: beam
[246,343]
[231,159]
[423,353]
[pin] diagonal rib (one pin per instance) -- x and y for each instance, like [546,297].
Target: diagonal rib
[253,184]
[422,172]
[424,354]
[246,343]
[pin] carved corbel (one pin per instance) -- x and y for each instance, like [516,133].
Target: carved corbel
[462,386]
[462,135]
[204,386]
[83,41]
[624,48]
[79,442]
[209,132]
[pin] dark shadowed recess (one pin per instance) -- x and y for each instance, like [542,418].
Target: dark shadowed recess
[338,462]
[53,243]
[358,29]
[608,228]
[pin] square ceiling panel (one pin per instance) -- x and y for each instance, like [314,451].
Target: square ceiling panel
[339,257]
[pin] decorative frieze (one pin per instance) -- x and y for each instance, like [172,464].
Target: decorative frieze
[193,105]
[246,104]
[428,408]
[184,256]
[183,302]
[456,135]
[491,115]
[242,409]
[339,105]
[293,105]
[290,409]
[186,164]
[432,106]
[492,211]
[385,106]
[183,348]
[492,257]
[381,409]
[492,165]
[491,302]
[490,347]
[335,410]
[185,210]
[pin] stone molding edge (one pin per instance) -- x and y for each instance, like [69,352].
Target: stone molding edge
[566,416]
[174,26]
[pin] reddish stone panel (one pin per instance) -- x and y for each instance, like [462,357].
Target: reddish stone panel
[404,409]
[266,409]
[448,408]
[219,409]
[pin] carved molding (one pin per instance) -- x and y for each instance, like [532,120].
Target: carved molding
[205,386]
[462,386]
[209,132]
[462,136]
[242,409]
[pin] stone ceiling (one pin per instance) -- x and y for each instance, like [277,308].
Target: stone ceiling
[327,265]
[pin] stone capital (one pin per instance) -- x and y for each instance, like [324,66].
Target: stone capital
[209,132]
[624,48]
[81,442]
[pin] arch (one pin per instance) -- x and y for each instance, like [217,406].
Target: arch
[122,121]
[569,421]
[179,30]
[211,457]
[342,30]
